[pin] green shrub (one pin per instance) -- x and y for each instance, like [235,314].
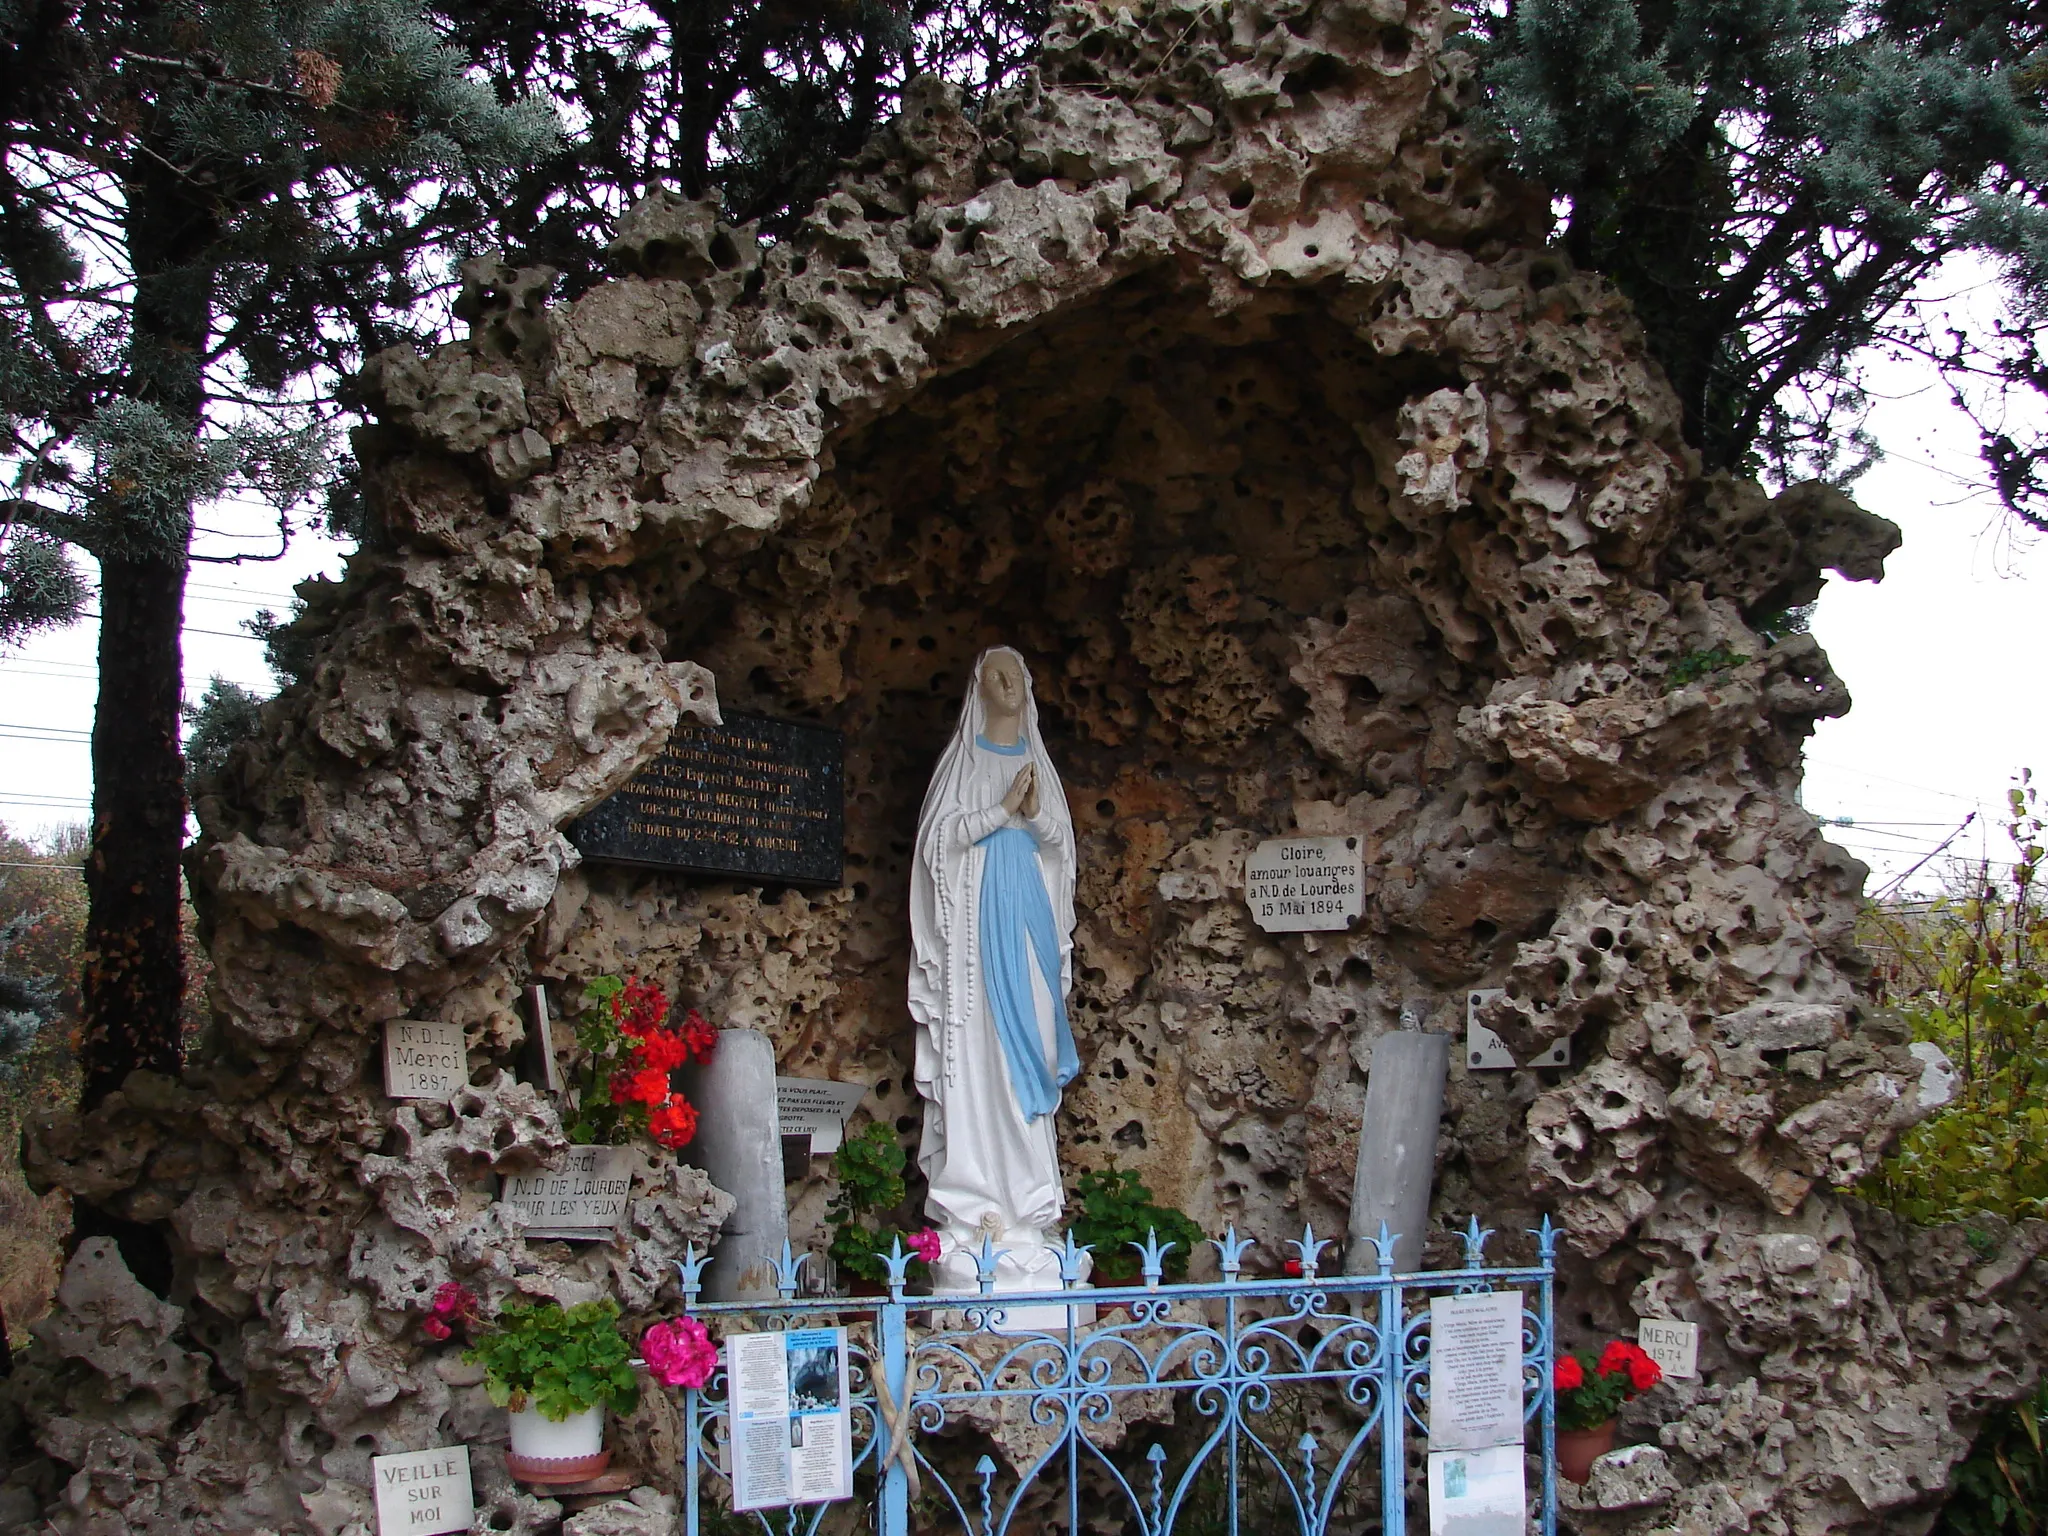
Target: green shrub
[869,1167]
[2001,1487]
[1112,1210]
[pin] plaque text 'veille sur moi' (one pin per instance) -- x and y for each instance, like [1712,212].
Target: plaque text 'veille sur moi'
[751,797]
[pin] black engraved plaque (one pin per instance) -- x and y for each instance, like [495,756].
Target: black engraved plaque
[754,797]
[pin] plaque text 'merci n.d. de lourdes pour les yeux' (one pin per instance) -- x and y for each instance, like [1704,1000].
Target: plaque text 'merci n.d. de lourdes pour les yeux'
[752,797]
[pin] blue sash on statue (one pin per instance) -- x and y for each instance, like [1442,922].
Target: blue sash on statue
[1016,917]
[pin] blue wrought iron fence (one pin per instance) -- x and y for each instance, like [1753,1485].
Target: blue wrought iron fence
[1175,1411]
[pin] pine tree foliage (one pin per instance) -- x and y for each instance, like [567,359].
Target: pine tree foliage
[317,161]
[1777,185]
[754,101]
[226,715]
[202,202]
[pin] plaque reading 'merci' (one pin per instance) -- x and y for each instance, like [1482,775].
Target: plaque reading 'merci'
[753,797]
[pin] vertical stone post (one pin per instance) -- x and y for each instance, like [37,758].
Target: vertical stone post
[739,1146]
[1404,1100]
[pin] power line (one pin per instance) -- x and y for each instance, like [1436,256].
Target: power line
[7,865]
[1902,783]
[49,800]
[186,629]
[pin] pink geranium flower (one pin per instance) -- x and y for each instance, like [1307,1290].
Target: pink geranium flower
[679,1353]
[925,1244]
[454,1306]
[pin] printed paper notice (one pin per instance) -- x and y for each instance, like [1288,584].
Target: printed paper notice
[816,1107]
[1477,1493]
[1475,1371]
[792,1434]
[422,1493]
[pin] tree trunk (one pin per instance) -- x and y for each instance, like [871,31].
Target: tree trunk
[134,981]
[134,978]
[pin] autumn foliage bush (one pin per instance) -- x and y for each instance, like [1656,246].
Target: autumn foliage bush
[1970,974]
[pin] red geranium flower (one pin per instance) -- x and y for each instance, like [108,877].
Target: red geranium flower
[1566,1374]
[1615,1357]
[1643,1372]
[700,1038]
[649,1087]
[639,1007]
[663,1050]
[674,1123]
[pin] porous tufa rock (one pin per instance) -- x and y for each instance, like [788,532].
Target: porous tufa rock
[1218,367]
[643,1512]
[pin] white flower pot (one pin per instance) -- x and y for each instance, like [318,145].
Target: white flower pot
[546,1450]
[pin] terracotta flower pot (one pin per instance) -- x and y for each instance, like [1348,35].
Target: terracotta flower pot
[545,1450]
[1578,1449]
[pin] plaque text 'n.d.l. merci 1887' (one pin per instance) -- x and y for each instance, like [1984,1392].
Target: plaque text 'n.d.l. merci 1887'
[753,797]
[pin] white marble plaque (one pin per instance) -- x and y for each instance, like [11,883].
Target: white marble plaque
[1305,884]
[582,1200]
[816,1107]
[424,1059]
[1675,1346]
[422,1493]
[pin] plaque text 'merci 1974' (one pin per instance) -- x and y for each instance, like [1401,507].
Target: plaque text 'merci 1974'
[752,797]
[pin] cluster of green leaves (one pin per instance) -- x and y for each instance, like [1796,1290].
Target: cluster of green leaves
[1113,1209]
[1970,973]
[869,1167]
[1776,185]
[594,1119]
[558,1361]
[2001,1487]
[1694,665]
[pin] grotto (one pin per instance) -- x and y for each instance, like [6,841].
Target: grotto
[1217,370]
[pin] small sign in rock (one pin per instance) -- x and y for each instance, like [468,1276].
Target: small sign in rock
[422,1493]
[584,1200]
[1305,884]
[424,1059]
[752,797]
[1675,1346]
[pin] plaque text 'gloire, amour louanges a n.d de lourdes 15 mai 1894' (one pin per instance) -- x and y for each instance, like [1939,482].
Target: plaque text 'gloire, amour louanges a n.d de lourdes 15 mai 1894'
[753,797]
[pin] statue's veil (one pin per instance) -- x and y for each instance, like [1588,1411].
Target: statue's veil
[945,969]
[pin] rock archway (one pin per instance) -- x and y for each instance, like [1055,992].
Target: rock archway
[1215,370]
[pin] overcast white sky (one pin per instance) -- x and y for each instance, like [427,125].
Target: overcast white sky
[1942,658]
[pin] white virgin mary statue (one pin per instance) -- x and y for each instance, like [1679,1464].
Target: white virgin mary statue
[992,937]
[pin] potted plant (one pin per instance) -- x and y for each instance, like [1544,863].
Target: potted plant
[1589,1394]
[869,1167]
[556,1370]
[1112,1210]
[621,1085]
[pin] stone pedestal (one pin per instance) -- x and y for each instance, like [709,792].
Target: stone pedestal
[1404,1100]
[739,1145]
